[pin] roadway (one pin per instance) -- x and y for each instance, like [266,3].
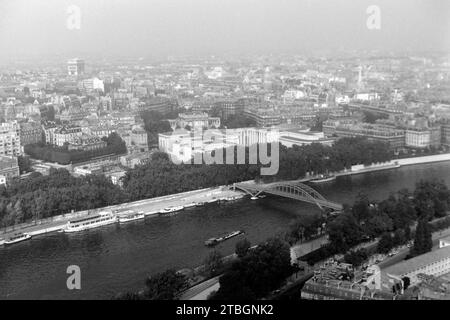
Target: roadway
[202,290]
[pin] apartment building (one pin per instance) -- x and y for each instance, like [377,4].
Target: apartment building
[30,133]
[10,144]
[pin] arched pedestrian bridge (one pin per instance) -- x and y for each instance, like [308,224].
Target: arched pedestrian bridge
[293,190]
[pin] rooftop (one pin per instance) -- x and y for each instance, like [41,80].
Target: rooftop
[418,262]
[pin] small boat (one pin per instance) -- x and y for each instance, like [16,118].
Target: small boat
[199,204]
[190,205]
[213,241]
[323,178]
[213,200]
[254,198]
[171,209]
[18,237]
[131,217]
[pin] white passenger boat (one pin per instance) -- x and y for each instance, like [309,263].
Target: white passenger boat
[131,217]
[190,205]
[171,209]
[98,220]
[254,198]
[199,204]
[18,237]
[213,200]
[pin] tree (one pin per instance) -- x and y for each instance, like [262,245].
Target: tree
[431,198]
[24,164]
[399,237]
[356,258]
[385,243]
[406,282]
[343,232]
[242,247]
[213,263]
[165,286]
[423,242]
[263,269]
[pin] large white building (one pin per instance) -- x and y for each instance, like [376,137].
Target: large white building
[290,138]
[183,144]
[10,144]
[62,135]
[434,263]
[93,84]
[194,120]
[417,138]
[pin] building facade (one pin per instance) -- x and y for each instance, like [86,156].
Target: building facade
[10,144]
[75,67]
[30,133]
[9,167]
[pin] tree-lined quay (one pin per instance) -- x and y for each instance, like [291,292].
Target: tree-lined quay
[37,196]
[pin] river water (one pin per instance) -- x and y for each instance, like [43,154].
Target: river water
[118,258]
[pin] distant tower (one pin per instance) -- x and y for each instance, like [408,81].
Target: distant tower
[360,77]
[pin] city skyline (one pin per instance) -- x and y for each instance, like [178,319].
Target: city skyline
[158,29]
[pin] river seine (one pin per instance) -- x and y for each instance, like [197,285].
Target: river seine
[118,258]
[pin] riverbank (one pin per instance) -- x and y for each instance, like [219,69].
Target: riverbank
[153,205]
[393,164]
[149,206]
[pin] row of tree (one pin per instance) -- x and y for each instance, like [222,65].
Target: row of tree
[390,220]
[40,196]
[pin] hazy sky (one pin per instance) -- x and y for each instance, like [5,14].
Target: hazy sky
[176,27]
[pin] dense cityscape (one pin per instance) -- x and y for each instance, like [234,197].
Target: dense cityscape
[262,176]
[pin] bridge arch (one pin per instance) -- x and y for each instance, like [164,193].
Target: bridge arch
[293,190]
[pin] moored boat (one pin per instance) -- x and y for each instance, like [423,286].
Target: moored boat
[171,209]
[98,220]
[190,205]
[149,213]
[213,241]
[131,217]
[213,200]
[18,237]
[199,204]
[323,178]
